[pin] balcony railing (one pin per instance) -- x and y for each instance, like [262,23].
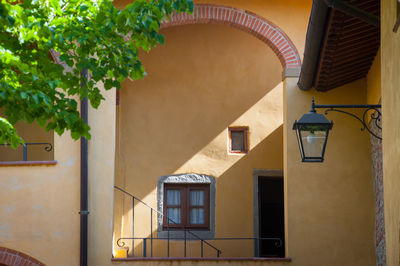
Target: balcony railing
[48,147]
[276,242]
[120,243]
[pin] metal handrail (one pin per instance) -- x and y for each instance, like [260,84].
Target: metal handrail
[278,241]
[219,252]
[47,148]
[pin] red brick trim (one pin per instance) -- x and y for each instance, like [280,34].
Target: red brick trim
[12,257]
[244,20]
[247,21]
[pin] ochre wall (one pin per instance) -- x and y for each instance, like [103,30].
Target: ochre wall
[101,179]
[147,131]
[39,207]
[206,78]
[289,15]
[330,205]
[390,44]
[374,81]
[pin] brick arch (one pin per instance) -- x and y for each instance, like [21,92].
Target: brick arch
[12,257]
[247,21]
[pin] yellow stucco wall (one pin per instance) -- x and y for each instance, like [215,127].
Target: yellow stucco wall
[278,13]
[374,81]
[390,44]
[39,207]
[330,205]
[329,213]
[101,180]
[206,78]
[289,15]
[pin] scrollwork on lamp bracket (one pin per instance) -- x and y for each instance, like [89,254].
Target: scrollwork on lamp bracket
[375,116]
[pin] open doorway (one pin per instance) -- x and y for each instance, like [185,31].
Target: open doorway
[271,216]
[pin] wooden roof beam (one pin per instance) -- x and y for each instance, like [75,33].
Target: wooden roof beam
[354,11]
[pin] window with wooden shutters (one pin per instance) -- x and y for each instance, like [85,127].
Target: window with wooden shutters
[186,206]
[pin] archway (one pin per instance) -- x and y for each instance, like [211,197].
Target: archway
[10,257]
[244,20]
[247,21]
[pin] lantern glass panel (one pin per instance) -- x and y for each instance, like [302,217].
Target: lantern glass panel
[313,142]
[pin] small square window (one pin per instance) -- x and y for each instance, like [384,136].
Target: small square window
[238,139]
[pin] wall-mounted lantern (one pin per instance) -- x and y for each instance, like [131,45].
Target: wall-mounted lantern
[312,134]
[312,129]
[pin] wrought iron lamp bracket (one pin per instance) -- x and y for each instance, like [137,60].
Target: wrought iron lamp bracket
[375,115]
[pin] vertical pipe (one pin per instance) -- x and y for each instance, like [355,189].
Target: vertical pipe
[84,185]
[168,237]
[144,247]
[201,248]
[133,226]
[151,232]
[256,245]
[185,240]
[25,152]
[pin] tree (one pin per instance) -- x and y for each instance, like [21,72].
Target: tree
[87,35]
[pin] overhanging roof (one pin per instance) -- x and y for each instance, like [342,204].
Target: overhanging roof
[341,43]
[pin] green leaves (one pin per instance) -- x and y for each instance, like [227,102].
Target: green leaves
[8,134]
[92,35]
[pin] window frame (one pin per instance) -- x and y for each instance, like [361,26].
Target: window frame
[185,189]
[193,178]
[245,131]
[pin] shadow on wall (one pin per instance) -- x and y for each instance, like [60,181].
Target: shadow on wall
[196,88]
[205,79]
[230,188]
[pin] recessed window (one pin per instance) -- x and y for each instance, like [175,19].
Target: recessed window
[186,206]
[188,200]
[238,139]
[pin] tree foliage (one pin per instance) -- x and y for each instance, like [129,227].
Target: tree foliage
[87,34]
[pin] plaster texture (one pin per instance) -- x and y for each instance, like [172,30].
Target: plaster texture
[377,171]
[373,80]
[39,207]
[390,69]
[329,206]
[176,121]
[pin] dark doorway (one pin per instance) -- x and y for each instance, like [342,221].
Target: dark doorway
[271,218]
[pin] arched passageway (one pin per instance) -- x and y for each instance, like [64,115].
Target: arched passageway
[247,21]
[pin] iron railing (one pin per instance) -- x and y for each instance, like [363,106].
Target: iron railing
[122,244]
[277,242]
[48,148]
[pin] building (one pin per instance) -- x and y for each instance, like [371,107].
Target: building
[208,138]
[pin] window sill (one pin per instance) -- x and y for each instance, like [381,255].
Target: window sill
[203,234]
[201,259]
[28,163]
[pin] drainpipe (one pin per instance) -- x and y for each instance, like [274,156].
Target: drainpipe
[84,185]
